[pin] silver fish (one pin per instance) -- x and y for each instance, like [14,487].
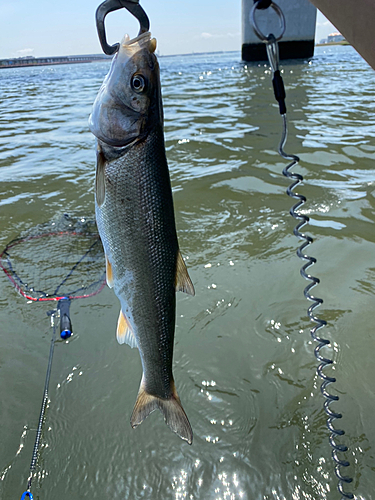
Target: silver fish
[135,217]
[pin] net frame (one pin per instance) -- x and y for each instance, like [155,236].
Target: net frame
[21,287]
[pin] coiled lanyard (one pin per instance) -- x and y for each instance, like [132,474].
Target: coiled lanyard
[279,91]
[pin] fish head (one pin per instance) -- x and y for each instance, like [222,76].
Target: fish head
[129,102]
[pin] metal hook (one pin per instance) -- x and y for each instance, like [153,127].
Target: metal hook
[109,6]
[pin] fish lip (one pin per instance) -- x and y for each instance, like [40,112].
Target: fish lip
[138,38]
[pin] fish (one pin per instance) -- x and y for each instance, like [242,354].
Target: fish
[135,217]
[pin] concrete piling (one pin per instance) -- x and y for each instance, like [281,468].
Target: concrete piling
[298,40]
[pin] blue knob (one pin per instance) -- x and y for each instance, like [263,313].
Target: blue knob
[27,494]
[65,334]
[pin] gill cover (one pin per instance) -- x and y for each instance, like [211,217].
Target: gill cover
[122,108]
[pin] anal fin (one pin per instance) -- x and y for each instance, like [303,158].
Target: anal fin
[183,282]
[124,333]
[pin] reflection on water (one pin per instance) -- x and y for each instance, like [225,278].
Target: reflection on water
[244,363]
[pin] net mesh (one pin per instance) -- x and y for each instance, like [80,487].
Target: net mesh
[62,258]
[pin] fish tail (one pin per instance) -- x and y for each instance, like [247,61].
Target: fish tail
[174,415]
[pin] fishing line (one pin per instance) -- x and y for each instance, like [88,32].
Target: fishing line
[279,91]
[58,261]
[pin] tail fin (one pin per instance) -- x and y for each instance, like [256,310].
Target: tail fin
[171,408]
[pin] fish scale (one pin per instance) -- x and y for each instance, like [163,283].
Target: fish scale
[147,250]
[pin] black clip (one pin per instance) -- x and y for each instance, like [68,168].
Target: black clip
[109,6]
[262,4]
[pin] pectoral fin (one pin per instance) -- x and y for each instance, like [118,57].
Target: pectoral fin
[183,282]
[100,178]
[124,333]
[108,272]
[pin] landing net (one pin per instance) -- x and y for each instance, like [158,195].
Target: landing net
[59,259]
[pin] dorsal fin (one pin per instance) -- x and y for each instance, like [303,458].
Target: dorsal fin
[183,282]
[100,177]
[124,333]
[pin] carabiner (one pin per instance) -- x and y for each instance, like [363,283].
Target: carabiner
[109,6]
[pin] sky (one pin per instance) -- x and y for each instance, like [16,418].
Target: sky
[50,28]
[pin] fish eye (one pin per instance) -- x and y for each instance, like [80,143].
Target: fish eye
[138,83]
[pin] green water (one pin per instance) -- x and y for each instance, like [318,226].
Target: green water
[243,363]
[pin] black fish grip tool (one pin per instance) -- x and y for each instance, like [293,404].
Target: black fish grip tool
[111,5]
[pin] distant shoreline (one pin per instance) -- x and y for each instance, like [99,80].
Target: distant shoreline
[49,61]
[344,42]
[53,61]
[25,65]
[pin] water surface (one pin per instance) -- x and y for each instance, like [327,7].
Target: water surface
[243,364]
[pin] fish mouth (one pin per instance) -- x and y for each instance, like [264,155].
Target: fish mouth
[126,41]
[128,47]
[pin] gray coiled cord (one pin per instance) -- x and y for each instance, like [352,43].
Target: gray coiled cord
[319,323]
